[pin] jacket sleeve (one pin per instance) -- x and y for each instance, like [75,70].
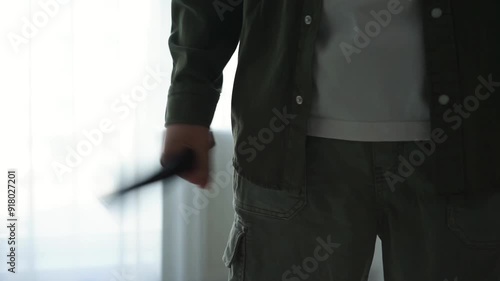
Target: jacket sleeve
[204,36]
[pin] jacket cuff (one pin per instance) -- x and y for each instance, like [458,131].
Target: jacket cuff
[187,108]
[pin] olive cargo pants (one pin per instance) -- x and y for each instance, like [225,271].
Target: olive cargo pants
[354,192]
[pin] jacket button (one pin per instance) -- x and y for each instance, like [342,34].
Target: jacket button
[444,99]
[308,19]
[436,13]
[299,99]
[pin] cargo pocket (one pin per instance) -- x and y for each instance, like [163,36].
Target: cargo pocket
[234,254]
[475,218]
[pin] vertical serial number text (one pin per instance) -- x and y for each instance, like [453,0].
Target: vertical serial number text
[11,220]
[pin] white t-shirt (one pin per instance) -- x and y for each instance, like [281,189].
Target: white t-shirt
[369,72]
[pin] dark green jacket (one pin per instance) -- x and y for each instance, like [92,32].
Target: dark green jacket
[273,85]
